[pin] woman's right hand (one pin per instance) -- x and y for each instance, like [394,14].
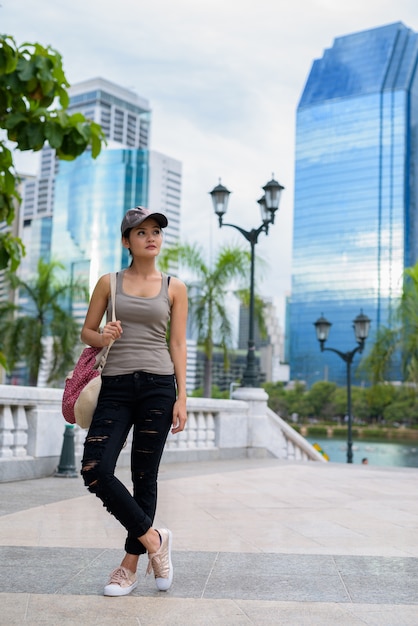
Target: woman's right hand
[111,332]
[91,333]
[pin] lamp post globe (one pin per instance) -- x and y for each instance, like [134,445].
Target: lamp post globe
[322,327]
[361,325]
[220,196]
[272,193]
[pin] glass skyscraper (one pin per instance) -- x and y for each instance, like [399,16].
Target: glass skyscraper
[91,197]
[356,193]
[71,211]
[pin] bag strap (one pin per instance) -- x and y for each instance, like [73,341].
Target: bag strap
[103,354]
[113,294]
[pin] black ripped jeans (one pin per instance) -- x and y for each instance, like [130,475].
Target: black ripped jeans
[144,401]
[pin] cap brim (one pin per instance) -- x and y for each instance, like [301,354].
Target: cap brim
[127,223]
[160,218]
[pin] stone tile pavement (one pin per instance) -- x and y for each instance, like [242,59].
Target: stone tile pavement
[256,542]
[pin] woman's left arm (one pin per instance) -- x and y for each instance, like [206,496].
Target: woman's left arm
[178,349]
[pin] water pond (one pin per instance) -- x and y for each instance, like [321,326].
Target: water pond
[383,453]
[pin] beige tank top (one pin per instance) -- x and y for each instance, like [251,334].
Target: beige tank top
[143,344]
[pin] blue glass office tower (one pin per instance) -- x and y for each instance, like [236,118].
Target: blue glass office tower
[71,211]
[91,197]
[356,191]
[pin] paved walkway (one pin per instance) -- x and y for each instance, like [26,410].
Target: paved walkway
[256,541]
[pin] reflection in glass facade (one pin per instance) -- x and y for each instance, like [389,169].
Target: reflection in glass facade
[73,209]
[91,197]
[355,211]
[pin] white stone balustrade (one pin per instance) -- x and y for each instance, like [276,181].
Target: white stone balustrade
[32,428]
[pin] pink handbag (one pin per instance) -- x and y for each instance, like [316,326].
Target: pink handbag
[83,383]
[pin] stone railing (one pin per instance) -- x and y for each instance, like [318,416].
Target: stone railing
[32,432]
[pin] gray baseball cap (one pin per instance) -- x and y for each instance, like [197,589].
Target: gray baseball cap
[135,217]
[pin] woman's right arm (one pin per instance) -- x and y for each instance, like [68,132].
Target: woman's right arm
[91,333]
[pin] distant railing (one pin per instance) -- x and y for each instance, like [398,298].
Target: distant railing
[32,427]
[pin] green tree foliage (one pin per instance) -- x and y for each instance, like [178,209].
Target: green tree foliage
[403,407]
[243,296]
[216,393]
[277,398]
[33,103]
[378,397]
[359,403]
[209,289]
[287,402]
[320,397]
[298,401]
[401,338]
[379,404]
[340,402]
[23,330]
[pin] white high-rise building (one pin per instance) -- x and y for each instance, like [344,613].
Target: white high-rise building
[124,116]
[164,192]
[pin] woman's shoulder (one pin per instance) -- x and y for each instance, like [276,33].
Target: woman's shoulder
[105,278]
[103,284]
[173,281]
[177,290]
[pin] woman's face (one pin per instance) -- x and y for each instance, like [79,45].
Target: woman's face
[145,240]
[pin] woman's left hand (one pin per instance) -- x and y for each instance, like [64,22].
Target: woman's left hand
[179,416]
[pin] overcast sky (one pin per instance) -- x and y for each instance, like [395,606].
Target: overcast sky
[223,81]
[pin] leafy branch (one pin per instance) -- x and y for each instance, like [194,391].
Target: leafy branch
[33,111]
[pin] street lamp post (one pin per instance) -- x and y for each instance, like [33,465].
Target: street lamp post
[269,204]
[361,326]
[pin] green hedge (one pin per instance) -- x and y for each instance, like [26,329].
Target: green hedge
[342,432]
[339,432]
[317,431]
[374,433]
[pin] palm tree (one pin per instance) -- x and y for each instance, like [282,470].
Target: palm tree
[243,296]
[208,295]
[25,328]
[399,341]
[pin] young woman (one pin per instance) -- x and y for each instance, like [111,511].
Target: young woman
[144,387]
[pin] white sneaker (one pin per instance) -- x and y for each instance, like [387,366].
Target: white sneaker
[121,582]
[160,562]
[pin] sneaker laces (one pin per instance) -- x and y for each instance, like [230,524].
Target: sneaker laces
[118,576]
[157,563]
